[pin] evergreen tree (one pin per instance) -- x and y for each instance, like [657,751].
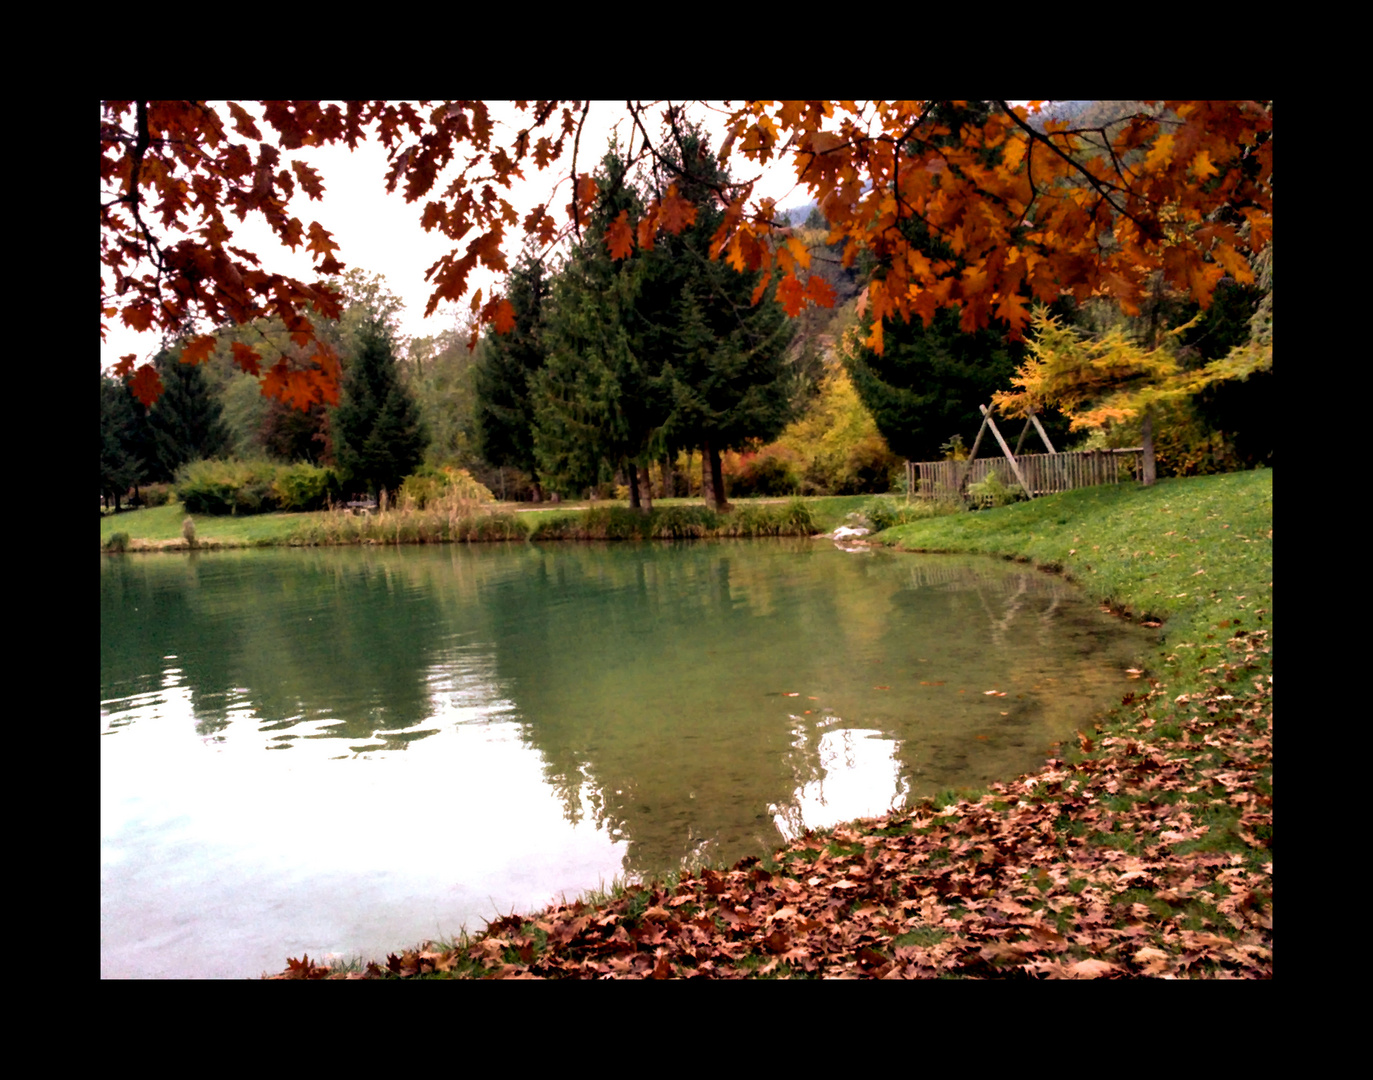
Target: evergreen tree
[725,358]
[602,403]
[124,440]
[377,433]
[186,423]
[505,367]
[289,434]
[928,383]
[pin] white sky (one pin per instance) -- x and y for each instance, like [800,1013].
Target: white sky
[380,233]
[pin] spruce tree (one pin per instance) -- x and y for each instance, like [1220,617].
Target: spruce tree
[725,357]
[602,402]
[505,366]
[124,440]
[377,432]
[186,423]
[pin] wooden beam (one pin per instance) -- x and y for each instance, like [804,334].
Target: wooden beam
[987,420]
[1023,432]
[1040,429]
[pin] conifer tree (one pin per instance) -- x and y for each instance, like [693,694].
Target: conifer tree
[724,357]
[505,366]
[602,401]
[124,440]
[186,423]
[377,432]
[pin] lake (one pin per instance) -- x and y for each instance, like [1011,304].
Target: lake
[342,751]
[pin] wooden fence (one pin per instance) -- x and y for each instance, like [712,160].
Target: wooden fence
[1045,474]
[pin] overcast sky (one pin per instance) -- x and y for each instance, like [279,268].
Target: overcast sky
[380,233]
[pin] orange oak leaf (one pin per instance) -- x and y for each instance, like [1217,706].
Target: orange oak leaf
[819,292]
[246,357]
[198,350]
[619,237]
[791,296]
[677,213]
[146,385]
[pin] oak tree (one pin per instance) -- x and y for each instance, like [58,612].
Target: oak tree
[1029,211]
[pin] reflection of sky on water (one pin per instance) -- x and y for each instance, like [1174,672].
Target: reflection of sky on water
[860,777]
[222,865]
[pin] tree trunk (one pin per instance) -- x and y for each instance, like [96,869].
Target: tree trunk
[633,475]
[669,478]
[1148,439]
[538,492]
[707,490]
[646,490]
[711,462]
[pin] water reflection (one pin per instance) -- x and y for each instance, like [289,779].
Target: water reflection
[463,731]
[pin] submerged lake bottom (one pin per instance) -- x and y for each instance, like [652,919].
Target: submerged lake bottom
[349,750]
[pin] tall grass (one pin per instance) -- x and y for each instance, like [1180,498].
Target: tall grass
[449,516]
[677,523]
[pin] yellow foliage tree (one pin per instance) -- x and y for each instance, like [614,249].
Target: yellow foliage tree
[1100,380]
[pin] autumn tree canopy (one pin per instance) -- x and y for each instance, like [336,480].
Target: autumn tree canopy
[1028,210]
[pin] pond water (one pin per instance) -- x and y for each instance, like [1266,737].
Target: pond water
[341,751]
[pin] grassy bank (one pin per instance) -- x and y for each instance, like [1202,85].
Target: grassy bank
[1145,850]
[159,528]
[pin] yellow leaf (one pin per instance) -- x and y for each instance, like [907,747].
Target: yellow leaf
[1202,167]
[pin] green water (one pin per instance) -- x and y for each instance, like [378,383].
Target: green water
[341,751]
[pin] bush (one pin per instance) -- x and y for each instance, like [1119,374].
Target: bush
[227,487]
[885,513]
[302,486]
[771,472]
[871,466]
[428,484]
[991,491]
[118,542]
[156,494]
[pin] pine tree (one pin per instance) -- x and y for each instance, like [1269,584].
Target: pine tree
[724,357]
[124,440]
[377,433]
[602,402]
[505,366]
[186,423]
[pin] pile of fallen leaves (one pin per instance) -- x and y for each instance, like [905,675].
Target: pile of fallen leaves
[1148,854]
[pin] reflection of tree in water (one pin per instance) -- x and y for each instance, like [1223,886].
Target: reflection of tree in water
[624,654]
[652,679]
[335,641]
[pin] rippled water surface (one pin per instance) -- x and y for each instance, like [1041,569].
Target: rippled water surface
[348,751]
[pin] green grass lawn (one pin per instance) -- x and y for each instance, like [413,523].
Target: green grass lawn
[1195,554]
[164,523]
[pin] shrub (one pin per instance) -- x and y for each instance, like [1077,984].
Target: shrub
[770,472]
[302,486]
[227,487]
[885,513]
[118,542]
[157,494]
[188,530]
[428,484]
[991,491]
[870,466]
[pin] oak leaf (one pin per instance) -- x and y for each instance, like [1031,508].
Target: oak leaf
[146,385]
[619,237]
